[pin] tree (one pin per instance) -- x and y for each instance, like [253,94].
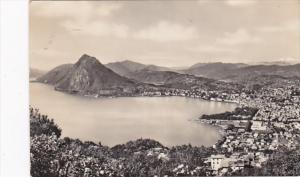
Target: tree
[248,126]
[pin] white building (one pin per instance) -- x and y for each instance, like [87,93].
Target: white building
[217,161]
[258,125]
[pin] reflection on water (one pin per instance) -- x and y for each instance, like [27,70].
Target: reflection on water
[118,120]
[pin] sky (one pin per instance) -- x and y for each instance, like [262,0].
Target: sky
[167,33]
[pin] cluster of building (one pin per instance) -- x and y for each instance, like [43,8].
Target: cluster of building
[194,93]
[276,123]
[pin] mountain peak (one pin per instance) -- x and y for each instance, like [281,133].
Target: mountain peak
[127,61]
[87,76]
[86,59]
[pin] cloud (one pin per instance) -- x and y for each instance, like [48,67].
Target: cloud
[203,2]
[81,10]
[49,53]
[213,49]
[241,36]
[82,17]
[96,28]
[239,3]
[107,9]
[293,25]
[166,31]
[48,59]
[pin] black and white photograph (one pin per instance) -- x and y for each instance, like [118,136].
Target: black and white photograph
[158,88]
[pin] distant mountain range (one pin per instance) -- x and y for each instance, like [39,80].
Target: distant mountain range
[213,70]
[256,82]
[240,74]
[34,73]
[217,64]
[177,80]
[237,72]
[89,76]
[167,78]
[282,63]
[217,70]
[127,67]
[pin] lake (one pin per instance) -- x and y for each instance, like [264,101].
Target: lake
[111,121]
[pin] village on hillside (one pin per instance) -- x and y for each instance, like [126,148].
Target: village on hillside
[264,122]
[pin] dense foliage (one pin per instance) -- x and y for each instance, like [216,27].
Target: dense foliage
[246,113]
[52,156]
[40,124]
[282,163]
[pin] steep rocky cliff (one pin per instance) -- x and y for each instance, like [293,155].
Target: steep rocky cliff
[87,76]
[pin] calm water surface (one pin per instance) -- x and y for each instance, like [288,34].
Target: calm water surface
[111,121]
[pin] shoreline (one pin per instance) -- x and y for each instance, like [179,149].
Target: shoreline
[218,129]
[129,96]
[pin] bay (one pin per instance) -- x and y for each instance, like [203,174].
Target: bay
[111,121]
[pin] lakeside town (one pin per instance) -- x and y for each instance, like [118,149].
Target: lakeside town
[263,122]
[256,136]
[158,88]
